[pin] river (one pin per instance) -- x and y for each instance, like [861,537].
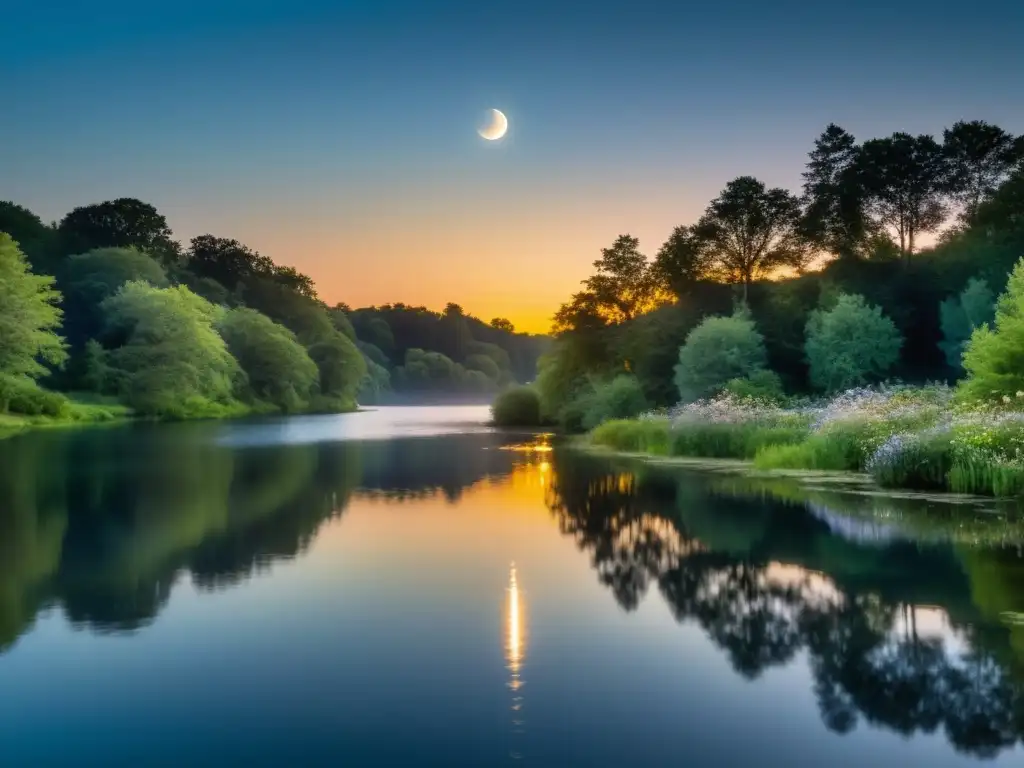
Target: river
[407,586]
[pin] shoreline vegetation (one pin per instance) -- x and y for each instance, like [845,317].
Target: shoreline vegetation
[808,330]
[104,316]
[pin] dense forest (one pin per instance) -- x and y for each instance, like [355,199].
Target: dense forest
[107,305]
[805,291]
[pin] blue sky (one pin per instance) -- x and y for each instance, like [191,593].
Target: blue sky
[339,136]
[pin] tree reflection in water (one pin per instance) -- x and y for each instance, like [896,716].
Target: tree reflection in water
[766,580]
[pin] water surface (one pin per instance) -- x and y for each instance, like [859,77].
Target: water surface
[409,587]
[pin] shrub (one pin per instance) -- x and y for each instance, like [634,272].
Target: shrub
[277,368]
[634,435]
[851,344]
[21,395]
[992,359]
[960,315]
[760,385]
[718,350]
[517,407]
[619,398]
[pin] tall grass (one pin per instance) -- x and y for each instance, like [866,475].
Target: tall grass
[904,438]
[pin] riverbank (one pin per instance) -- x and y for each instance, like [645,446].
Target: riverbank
[85,409]
[910,438]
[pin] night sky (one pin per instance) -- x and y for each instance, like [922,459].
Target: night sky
[340,137]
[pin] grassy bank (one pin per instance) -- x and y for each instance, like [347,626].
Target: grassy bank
[913,438]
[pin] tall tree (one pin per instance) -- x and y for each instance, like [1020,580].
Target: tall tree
[502,324]
[33,237]
[29,316]
[834,219]
[224,260]
[904,180]
[682,262]
[751,230]
[121,223]
[623,288]
[979,158]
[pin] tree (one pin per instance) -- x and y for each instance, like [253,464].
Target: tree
[751,231]
[992,358]
[960,315]
[851,344]
[501,324]
[121,223]
[342,369]
[30,233]
[834,219]
[277,368]
[90,278]
[29,316]
[623,288]
[718,350]
[979,157]
[166,357]
[904,180]
[339,316]
[224,260]
[683,262]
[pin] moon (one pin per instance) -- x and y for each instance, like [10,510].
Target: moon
[496,127]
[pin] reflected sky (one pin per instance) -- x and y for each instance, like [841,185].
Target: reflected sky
[443,601]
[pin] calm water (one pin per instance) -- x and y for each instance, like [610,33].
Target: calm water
[408,588]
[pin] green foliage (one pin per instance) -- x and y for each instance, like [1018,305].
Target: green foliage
[517,406]
[277,368]
[716,351]
[619,398]
[484,365]
[993,358]
[851,344]
[974,307]
[29,316]
[634,436]
[837,450]
[21,395]
[752,230]
[169,360]
[122,223]
[923,463]
[375,383]
[763,385]
[342,368]
[732,441]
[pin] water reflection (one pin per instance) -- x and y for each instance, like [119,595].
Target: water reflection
[515,647]
[907,619]
[766,583]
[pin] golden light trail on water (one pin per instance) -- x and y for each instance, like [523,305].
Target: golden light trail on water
[515,643]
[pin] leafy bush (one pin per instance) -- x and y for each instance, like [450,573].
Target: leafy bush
[960,315]
[993,359]
[619,398]
[719,350]
[277,368]
[760,385]
[29,316]
[517,407]
[171,362]
[21,395]
[850,345]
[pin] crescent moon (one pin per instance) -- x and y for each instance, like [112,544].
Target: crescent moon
[496,128]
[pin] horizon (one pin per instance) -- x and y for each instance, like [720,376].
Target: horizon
[249,125]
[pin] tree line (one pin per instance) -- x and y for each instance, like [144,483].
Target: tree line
[829,286]
[107,302]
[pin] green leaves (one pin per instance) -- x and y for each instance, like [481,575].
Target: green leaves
[716,351]
[29,318]
[850,345]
